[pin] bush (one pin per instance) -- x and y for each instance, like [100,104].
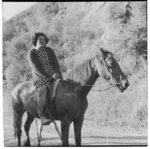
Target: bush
[116,10]
[8,31]
[17,58]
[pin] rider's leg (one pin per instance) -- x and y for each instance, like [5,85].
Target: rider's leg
[41,101]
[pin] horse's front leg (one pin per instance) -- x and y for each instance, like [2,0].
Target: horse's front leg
[65,125]
[77,130]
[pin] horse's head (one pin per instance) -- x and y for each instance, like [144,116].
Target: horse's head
[109,69]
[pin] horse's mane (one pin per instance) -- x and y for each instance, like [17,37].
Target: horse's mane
[81,73]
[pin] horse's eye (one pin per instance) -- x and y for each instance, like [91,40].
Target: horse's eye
[107,77]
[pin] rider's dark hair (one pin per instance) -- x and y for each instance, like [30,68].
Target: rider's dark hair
[36,36]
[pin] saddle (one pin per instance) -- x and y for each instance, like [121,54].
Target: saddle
[47,93]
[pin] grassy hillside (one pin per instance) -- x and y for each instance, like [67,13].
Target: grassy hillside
[75,29]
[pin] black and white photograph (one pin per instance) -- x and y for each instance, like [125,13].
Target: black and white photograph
[74,74]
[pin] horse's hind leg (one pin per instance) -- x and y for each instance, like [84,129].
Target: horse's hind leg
[77,130]
[27,125]
[57,129]
[17,121]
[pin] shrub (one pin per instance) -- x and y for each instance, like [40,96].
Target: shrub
[18,66]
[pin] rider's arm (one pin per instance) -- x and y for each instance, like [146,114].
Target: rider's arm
[37,66]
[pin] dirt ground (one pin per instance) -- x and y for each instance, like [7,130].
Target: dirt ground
[91,135]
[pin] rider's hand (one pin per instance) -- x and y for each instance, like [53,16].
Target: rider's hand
[56,76]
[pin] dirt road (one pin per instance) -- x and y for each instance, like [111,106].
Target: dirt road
[91,135]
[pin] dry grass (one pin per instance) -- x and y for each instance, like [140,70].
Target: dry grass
[7,104]
[128,109]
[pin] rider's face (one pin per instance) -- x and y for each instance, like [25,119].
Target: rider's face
[41,42]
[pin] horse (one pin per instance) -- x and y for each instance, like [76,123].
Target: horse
[70,102]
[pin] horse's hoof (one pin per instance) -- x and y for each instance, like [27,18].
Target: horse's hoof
[39,145]
[27,144]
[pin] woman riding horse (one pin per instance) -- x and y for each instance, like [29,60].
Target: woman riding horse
[70,102]
[45,66]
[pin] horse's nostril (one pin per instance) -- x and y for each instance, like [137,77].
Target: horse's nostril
[126,84]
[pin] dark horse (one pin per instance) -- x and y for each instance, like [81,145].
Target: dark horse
[70,102]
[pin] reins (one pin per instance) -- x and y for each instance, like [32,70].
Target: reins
[92,86]
[104,89]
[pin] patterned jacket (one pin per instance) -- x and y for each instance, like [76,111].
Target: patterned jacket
[43,64]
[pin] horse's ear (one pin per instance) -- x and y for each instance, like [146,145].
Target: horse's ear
[103,53]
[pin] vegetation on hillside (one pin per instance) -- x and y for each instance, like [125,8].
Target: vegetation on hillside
[75,29]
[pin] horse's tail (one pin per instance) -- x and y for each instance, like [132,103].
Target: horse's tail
[18,110]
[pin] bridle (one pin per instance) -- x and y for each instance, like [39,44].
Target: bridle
[104,58]
[111,86]
[91,85]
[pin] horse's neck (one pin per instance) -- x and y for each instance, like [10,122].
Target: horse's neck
[85,75]
[85,89]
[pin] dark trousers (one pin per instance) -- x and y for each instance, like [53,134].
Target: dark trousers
[41,100]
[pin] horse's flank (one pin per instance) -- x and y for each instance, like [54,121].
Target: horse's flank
[23,90]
